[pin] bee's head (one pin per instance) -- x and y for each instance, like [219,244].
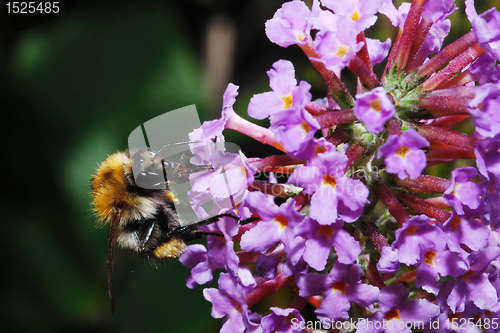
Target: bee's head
[147,170]
[109,184]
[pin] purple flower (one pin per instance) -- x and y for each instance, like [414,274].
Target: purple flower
[195,257]
[337,49]
[294,129]
[362,12]
[333,195]
[374,108]
[388,262]
[323,19]
[474,284]
[339,288]
[488,160]
[416,235]
[396,16]
[286,95]
[213,129]
[225,187]
[447,322]
[313,149]
[486,26]
[220,253]
[229,301]
[484,109]
[321,238]
[378,50]
[282,321]
[488,163]
[462,191]
[397,310]
[211,185]
[290,24]
[267,264]
[277,225]
[433,264]
[464,231]
[484,71]
[403,155]
[435,10]
[208,152]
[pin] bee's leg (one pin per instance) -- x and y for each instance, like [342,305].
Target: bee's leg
[147,236]
[196,233]
[215,219]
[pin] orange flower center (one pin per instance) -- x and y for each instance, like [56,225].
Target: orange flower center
[319,150]
[288,101]
[411,230]
[325,229]
[468,274]
[455,223]
[394,313]
[329,180]
[429,256]
[340,286]
[305,126]
[342,51]
[282,220]
[402,151]
[376,105]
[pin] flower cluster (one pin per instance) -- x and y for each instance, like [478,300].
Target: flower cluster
[428,258]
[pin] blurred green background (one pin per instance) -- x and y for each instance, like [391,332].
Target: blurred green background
[71,91]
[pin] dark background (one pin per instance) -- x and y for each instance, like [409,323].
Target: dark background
[71,91]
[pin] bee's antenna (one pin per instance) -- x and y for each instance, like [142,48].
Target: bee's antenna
[113,230]
[174,144]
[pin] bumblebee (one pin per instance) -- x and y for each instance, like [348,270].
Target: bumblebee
[143,220]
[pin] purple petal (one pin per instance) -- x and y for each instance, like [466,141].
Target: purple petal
[317,251]
[388,262]
[362,294]
[393,297]
[482,292]
[347,248]
[221,304]
[289,25]
[282,77]
[314,284]
[234,323]
[378,50]
[334,306]
[324,206]
[261,237]
[418,310]
[427,278]
[265,104]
